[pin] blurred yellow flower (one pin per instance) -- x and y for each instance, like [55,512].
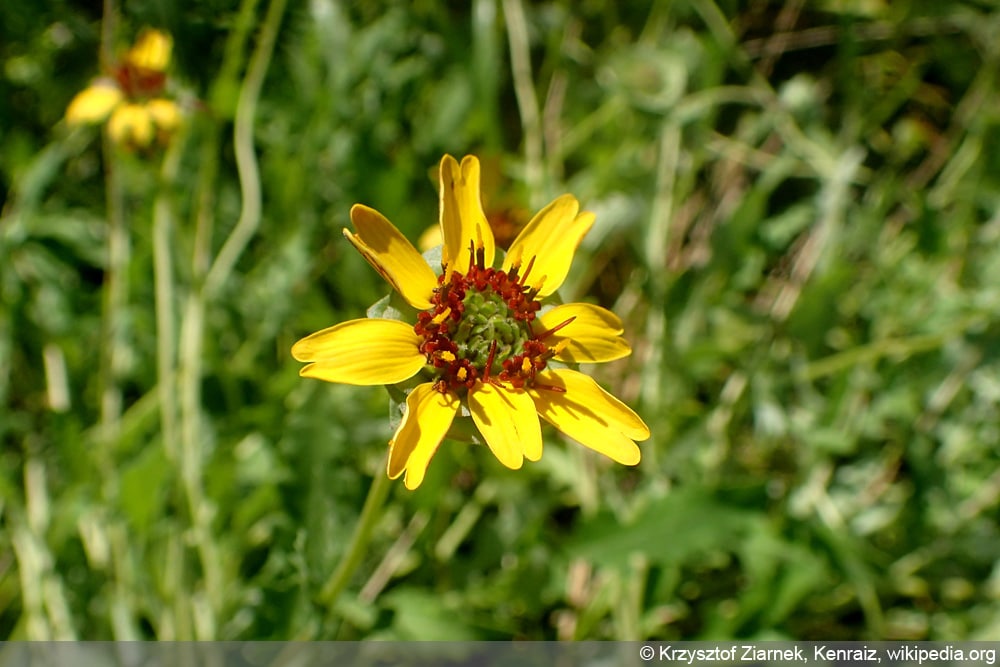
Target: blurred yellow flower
[130,100]
[94,103]
[480,340]
[151,52]
[131,124]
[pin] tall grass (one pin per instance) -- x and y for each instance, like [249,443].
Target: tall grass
[796,218]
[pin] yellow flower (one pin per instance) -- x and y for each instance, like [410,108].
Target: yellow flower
[131,124]
[94,103]
[130,102]
[151,51]
[502,207]
[480,340]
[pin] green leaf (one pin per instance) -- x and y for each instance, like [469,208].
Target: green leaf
[143,486]
[683,524]
[422,615]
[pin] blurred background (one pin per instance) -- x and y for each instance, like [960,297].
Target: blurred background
[797,219]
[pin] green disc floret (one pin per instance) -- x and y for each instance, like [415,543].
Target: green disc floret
[487,318]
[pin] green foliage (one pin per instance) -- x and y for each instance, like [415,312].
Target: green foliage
[796,219]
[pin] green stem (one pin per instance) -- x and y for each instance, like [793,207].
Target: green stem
[114,341]
[192,329]
[166,348]
[187,386]
[349,562]
[114,299]
[223,101]
[527,102]
[246,158]
[201,255]
[108,26]
[189,373]
[163,277]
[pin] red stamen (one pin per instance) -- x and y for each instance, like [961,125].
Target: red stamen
[548,332]
[480,249]
[527,270]
[489,361]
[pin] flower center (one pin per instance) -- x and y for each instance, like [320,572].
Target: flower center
[139,82]
[479,329]
[488,332]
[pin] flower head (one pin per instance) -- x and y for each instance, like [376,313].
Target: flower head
[481,341]
[132,100]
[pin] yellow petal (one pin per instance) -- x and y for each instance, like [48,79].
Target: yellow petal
[131,124]
[586,316]
[392,256]
[588,414]
[591,337]
[94,103]
[462,219]
[428,417]
[550,238]
[165,114]
[362,352]
[151,51]
[586,349]
[507,420]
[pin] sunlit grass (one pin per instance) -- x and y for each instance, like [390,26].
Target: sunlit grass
[795,220]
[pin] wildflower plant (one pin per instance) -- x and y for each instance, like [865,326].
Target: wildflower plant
[481,338]
[133,99]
